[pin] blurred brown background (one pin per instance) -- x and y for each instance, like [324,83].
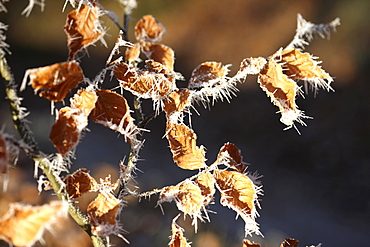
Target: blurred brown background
[316,184]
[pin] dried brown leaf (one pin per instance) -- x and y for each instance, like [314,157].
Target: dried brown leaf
[112,111]
[159,53]
[65,133]
[133,52]
[207,74]
[177,102]
[55,81]
[206,183]
[84,100]
[103,213]
[247,243]
[149,29]
[23,225]
[289,242]
[82,28]
[177,238]
[154,81]
[231,155]
[183,146]
[250,66]
[281,90]
[79,183]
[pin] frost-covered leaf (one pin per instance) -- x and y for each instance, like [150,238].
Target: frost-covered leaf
[176,104]
[206,183]
[82,28]
[133,52]
[250,66]
[299,65]
[23,225]
[84,100]
[159,53]
[149,29]
[103,214]
[281,90]
[231,156]
[289,242]
[79,183]
[54,81]
[112,111]
[183,146]
[65,133]
[177,237]
[238,193]
[247,243]
[155,81]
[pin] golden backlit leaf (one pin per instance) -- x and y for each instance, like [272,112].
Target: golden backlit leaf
[65,133]
[112,111]
[149,29]
[159,53]
[79,183]
[133,52]
[231,155]
[207,74]
[177,102]
[177,237]
[103,213]
[250,66]
[206,183]
[183,146]
[23,225]
[189,199]
[281,90]
[55,81]
[302,66]
[3,155]
[289,242]
[154,81]
[82,28]
[84,100]
[238,193]
[247,243]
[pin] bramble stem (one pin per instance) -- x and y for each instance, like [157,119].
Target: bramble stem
[31,148]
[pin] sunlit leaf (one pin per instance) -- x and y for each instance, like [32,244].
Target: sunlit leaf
[79,183]
[149,29]
[289,242]
[159,53]
[206,183]
[231,156]
[177,237]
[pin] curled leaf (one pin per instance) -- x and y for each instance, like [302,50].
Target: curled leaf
[302,66]
[82,28]
[281,90]
[103,213]
[84,100]
[149,29]
[231,156]
[238,193]
[247,243]
[23,225]
[54,82]
[206,183]
[79,183]
[250,66]
[65,133]
[112,111]
[176,104]
[159,53]
[177,237]
[289,242]
[183,146]
[133,52]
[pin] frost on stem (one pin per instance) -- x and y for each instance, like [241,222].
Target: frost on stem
[306,30]
[31,3]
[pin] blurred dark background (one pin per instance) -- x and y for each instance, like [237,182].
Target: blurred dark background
[316,185]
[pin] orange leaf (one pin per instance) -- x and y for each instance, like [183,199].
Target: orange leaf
[149,29]
[289,242]
[238,193]
[133,53]
[103,213]
[23,225]
[3,155]
[112,111]
[79,183]
[250,66]
[159,53]
[177,102]
[302,66]
[82,28]
[281,90]
[154,81]
[207,74]
[84,100]
[231,155]
[206,183]
[65,133]
[177,238]
[55,81]
[247,243]
[183,146]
